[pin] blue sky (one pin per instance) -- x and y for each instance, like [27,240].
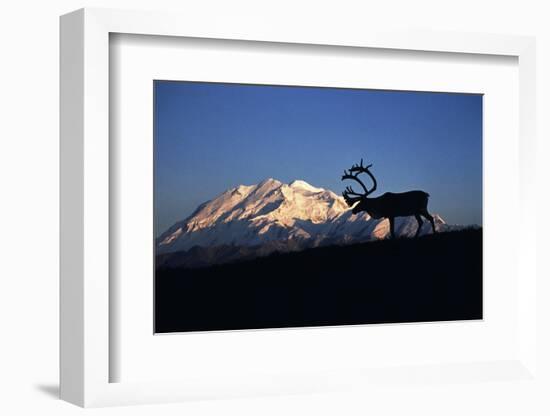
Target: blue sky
[210,137]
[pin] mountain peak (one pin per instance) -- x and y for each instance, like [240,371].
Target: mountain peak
[300,184]
[269,181]
[273,214]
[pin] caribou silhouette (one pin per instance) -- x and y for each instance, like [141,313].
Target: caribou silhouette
[389,205]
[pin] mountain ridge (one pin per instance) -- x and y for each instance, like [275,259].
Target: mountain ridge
[271,215]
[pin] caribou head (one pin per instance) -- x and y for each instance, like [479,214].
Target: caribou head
[389,205]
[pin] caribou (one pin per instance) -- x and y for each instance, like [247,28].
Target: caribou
[389,205]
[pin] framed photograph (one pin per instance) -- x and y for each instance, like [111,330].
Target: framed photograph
[250,233]
[270,211]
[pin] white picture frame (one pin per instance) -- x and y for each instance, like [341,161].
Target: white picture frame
[85,212]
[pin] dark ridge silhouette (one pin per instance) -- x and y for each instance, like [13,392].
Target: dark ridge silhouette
[389,205]
[437,277]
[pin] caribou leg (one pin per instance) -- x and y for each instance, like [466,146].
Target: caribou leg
[392,228]
[419,219]
[427,215]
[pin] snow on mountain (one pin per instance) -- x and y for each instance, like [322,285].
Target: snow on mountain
[276,216]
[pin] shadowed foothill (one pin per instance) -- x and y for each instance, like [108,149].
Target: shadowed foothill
[429,278]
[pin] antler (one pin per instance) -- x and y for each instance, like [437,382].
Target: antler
[351,200]
[353,174]
[350,196]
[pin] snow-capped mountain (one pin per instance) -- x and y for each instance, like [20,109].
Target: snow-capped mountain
[272,216]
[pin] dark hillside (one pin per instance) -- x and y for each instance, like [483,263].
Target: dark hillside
[432,278]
